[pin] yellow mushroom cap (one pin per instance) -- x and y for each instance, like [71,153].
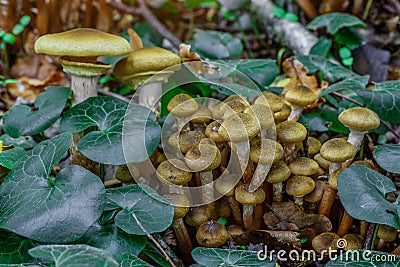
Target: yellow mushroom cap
[272,100]
[182,105]
[244,196]
[303,166]
[299,185]
[279,172]
[173,172]
[180,202]
[359,119]
[324,241]
[239,127]
[266,151]
[290,132]
[337,150]
[300,96]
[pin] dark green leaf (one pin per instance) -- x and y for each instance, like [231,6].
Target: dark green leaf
[115,241]
[365,258]
[141,204]
[25,265]
[129,260]
[233,88]
[321,48]
[24,142]
[314,122]
[74,255]
[291,17]
[334,123]
[388,157]
[34,205]
[362,192]
[335,21]
[9,157]
[148,35]
[14,249]
[353,83]
[350,37]
[216,45]
[21,120]
[113,119]
[344,52]
[214,257]
[153,253]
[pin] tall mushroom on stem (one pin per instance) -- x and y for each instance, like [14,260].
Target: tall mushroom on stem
[249,200]
[278,173]
[289,133]
[182,106]
[211,234]
[299,97]
[78,50]
[299,186]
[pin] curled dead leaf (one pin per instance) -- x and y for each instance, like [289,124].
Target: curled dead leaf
[134,40]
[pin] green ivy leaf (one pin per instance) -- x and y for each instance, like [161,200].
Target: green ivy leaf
[332,70]
[9,157]
[34,205]
[385,100]
[388,157]
[14,249]
[365,258]
[21,120]
[235,89]
[153,253]
[335,21]
[334,123]
[353,83]
[24,141]
[216,45]
[214,257]
[314,122]
[350,37]
[129,260]
[74,255]
[362,192]
[321,48]
[110,115]
[115,241]
[143,204]
[26,265]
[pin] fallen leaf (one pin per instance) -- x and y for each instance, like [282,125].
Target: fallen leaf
[134,40]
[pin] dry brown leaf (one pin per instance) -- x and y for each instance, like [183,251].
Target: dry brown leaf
[134,40]
[307,80]
[187,55]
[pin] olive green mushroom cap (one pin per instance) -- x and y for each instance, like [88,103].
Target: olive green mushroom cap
[83,42]
[322,162]
[317,193]
[212,132]
[173,172]
[314,145]
[211,234]
[282,114]
[203,157]
[263,114]
[245,197]
[387,233]
[239,127]
[198,215]
[142,64]
[279,172]
[359,119]
[337,150]
[188,139]
[300,96]
[354,241]
[202,115]
[226,185]
[180,202]
[299,185]
[266,151]
[303,166]
[290,132]
[325,241]
[126,173]
[182,105]
[273,101]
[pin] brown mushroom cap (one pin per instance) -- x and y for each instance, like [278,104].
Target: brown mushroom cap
[322,162]
[337,150]
[359,119]
[387,233]
[298,185]
[182,106]
[273,101]
[226,185]
[300,96]
[212,132]
[169,174]
[202,115]
[354,241]
[233,106]
[239,127]
[203,157]
[198,215]
[189,139]
[279,172]
[316,194]
[266,151]
[314,145]
[263,114]
[126,173]
[180,202]
[325,241]
[245,197]
[283,114]
[303,166]
[290,132]
[212,234]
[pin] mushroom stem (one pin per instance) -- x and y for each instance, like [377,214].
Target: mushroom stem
[149,94]
[83,87]
[295,113]
[333,167]
[248,220]
[345,224]
[277,192]
[206,179]
[355,138]
[78,158]
[288,152]
[258,216]
[185,244]
[235,210]
[327,200]
[298,200]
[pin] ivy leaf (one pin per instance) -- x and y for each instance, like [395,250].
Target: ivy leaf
[235,89]
[141,204]
[335,21]
[74,255]
[352,83]
[332,70]
[153,253]
[115,241]
[21,120]
[34,205]
[216,45]
[385,100]
[24,141]
[365,258]
[349,37]
[129,260]
[388,157]
[9,157]
[105,145]
[362,192]
[321,48]
[314,122]
[25,265]
[14,249]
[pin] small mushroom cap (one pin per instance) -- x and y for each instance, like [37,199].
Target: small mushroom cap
[203,157]
[212,132]
[182,106]
[225,185]
[279,172]
[181,204]
[291,132]
[212,234]
[83,42]
[325,241]
[273,101]
[322,162]
[173,172]
[333,178]
[359,119]
[354,241]
[266,151]
[245,197]
[239,127]
[189,139]
[314,145]
[282,114]
[299,185]
[198,215]
[202,115]
[126,173]
[233,106]
[303,166]
[337,150]
[173,140]
[316,194]
[263,114]
[387,233]
[300,96]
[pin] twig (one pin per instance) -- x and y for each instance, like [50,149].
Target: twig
[154,241]
[291,60]
[153,21]
[369,236]
[384,123]
[107,93]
